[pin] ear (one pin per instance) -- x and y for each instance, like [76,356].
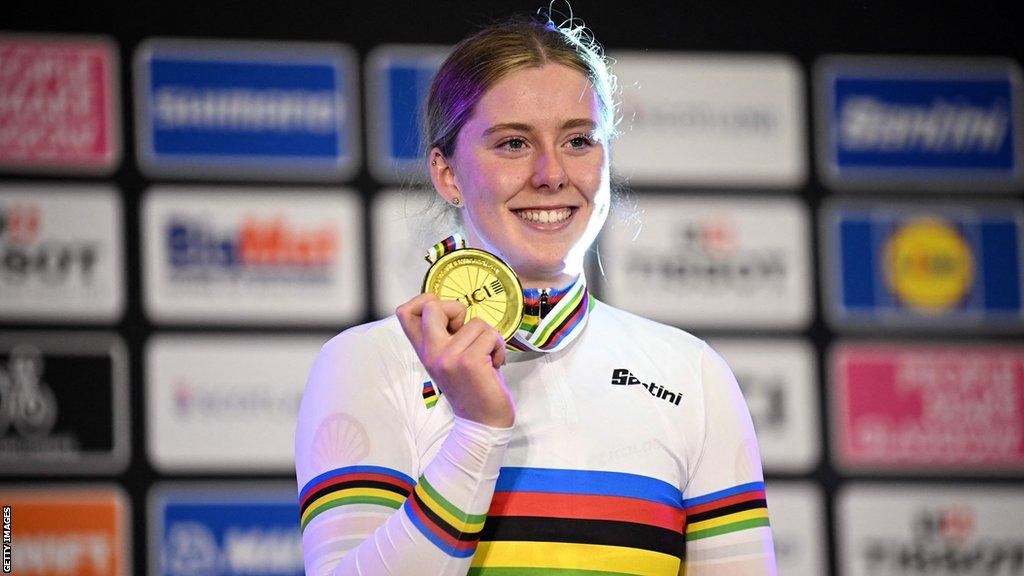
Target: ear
[442,174]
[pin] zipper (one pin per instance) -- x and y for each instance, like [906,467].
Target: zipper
[544,308]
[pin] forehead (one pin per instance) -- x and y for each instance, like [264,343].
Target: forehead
[549,94]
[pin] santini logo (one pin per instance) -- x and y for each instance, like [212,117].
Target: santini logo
[623,377]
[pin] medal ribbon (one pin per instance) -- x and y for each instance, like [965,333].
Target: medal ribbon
[570,310]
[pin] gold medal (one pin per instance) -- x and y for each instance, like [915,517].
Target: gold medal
[484,283]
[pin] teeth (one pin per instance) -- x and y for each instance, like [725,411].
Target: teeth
[545,216]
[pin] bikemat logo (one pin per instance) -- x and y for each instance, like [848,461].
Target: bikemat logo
[258,249]
[623,377]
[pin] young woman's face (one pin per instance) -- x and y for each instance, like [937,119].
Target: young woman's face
[531,168]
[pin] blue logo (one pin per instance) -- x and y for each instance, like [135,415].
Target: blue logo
[235,530]
[398,81]
[942,266]
[920,123]
[246,110]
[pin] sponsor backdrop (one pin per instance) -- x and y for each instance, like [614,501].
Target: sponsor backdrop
[195,196]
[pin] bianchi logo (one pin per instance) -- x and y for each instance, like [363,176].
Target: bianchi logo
[623,377]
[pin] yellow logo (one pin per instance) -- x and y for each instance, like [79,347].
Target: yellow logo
[928,265]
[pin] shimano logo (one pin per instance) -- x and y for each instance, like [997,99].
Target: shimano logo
[246,110]
[870,124]
[623,377]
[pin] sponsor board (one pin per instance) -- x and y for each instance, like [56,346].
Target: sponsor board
[66,529]
[397,82]
[938,266]
[919,123]
[901,407]
[737,262]
[224,529]
[929,530]
[245,255]
[63,403]
[779,382]
[59,104]
[711,119]
[406,224]
[221,403]
[61,253]
[229,109]
[797,513]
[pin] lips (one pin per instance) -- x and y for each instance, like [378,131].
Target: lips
[549,216]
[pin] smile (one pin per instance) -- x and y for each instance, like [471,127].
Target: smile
[545,216]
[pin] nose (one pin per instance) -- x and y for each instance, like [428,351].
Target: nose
[548,171]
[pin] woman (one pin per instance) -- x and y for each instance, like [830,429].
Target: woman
[611,443]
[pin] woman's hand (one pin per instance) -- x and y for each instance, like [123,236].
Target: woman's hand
[463,358]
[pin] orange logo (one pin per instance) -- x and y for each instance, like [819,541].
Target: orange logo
[61,531]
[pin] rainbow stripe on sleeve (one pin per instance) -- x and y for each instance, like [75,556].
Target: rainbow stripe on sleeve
[731,510]
[453,531]
[545,521]
[353,485]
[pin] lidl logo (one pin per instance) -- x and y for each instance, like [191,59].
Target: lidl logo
[928,265]
[947,265]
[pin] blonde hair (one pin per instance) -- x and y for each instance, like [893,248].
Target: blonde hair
[481,60]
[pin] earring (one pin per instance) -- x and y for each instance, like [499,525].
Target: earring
[457,202]
[433,162]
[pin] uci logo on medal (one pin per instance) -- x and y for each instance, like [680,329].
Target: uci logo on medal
[929,267]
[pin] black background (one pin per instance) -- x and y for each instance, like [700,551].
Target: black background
[803,30]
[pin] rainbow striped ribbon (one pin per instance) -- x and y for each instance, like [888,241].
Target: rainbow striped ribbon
[566,319]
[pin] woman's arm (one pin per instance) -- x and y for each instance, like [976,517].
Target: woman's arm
[380,510]
[368,505]
[727,530]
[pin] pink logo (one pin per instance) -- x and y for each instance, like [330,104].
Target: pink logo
[929,407]
[58,103]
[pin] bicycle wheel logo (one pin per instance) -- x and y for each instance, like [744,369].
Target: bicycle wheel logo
[26,402]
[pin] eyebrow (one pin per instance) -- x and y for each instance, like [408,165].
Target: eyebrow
[521,127]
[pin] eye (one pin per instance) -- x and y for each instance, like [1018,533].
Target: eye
[580,141]
[514,144]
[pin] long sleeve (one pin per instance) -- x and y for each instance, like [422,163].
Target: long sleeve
[727,529]
[368,506]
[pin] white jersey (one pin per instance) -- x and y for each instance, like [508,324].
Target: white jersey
[632,453]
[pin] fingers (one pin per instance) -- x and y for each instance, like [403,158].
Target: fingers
[410,317]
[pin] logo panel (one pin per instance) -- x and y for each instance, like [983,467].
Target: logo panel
[63,403]
[920,123]
[61,254]
[246,110]
[797,515]
[779,382]
[928,407]
[711,120]
[69,529]
[397,82]
[412,222]
[225,403]
[224,529]
[712,262]
[923,530]
[59,104]
[928,267]
[252,256]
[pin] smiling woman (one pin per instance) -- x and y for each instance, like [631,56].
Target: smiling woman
[594,441]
